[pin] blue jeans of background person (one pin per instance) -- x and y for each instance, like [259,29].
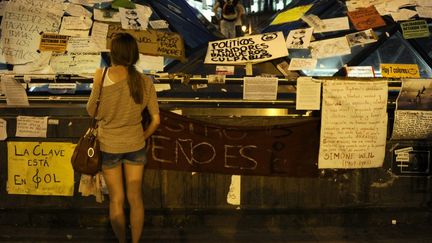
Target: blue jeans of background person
[110,160]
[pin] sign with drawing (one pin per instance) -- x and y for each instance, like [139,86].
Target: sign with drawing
[299,38]
[413,115]
[330,47]
[136,19]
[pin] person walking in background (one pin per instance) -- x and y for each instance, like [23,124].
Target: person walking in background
[125,94]
[230,13]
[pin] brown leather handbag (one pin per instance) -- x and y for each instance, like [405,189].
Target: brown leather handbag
[86,158]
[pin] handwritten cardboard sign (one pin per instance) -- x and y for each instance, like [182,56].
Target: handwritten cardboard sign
[40,168]
[366,18]
[53,42]
[249,49]
[390,70]
[415,29]
[153,42]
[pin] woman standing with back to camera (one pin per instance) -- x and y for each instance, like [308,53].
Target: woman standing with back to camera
[125,94]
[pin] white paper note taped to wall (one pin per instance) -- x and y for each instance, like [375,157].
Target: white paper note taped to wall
[3,129]
[308,94]
[234,193]
[31,126]
[14,91]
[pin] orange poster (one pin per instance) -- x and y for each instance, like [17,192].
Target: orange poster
[366,18]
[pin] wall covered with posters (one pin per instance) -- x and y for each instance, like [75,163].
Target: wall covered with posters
[354,131]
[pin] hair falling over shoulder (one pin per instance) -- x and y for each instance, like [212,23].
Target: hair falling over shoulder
[124,51]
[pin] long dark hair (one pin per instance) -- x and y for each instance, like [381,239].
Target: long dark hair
[124,51]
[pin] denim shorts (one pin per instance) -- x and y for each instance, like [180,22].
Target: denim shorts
[110,160]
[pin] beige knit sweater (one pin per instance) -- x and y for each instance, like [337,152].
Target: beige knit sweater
[119,118]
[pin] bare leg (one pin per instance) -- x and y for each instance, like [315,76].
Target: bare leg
[114,180]
[134,177]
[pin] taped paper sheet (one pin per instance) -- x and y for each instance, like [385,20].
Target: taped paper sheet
[234,193]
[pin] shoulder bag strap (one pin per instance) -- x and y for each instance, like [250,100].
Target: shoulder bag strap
[93,120]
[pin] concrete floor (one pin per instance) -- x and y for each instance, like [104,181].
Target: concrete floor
[388,234]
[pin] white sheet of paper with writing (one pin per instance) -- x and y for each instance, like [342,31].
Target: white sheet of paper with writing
[353,124]
[299,38]
[22,23]
[260,88]
[106,15]
[425,3]
[162,87]
[76,62]
[150,63]
[75,26]
[413,115]
[225,70]
[3,129]
[81,44]
[88,3]
[159,24]
[99,35]
[234,193]
[31,126]
[77,10]
[302,64]
[216,78]
[2,7]
[330,47]
[38,66]
[333,24]
[360,71]
[308,94]
[76,23]
[412,124]
[313,21]
[14,91]
[424,12]
[74,33]
[403,14]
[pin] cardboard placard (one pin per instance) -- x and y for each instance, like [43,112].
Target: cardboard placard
[248,49]
[153,42]
[366,18]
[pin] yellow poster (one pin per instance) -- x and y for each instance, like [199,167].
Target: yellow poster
[400,70]
[40,168]
[290,15]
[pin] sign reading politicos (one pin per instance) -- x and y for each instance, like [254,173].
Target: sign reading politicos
[40,168]
[152,42]
[249,49]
